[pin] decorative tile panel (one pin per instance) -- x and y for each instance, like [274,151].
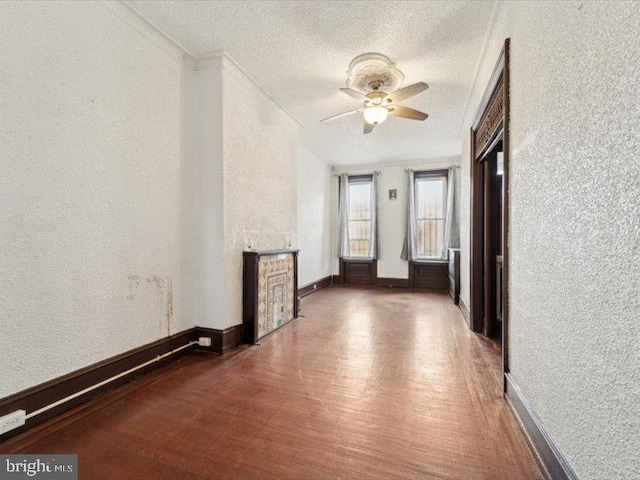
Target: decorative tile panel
[275,292]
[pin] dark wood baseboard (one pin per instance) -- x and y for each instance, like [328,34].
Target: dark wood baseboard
[47,393]
[392,282]
[429,275]
[465,311]
[336,280]
[553,463]
[221,340]
[358,271]
[314,286]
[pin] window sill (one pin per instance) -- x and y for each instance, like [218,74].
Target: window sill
[358,259]
[429,260]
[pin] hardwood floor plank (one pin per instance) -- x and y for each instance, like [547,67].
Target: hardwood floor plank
[369,383]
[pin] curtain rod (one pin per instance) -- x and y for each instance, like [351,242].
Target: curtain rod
[433,169]
[375,172]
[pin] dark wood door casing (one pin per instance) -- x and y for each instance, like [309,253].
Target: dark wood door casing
[490,128]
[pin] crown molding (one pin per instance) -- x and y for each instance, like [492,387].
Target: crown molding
[149,31]
[213,60]
[495,13]
[219,59]
[302,143]
[428,164]
[222,60]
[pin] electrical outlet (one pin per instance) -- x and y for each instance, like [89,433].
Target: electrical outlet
[12,420]
[204,341]
[315,286]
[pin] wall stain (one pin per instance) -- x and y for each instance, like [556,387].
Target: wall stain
[164,287]
[165,298]
[134,283]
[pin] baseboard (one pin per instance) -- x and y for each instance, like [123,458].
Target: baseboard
[221,340]
[336,279]
[465,311]
[314,286]
[553,463]
[48,393]
[392,282]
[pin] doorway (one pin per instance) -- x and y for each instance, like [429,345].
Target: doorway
[489,182]
[490,169]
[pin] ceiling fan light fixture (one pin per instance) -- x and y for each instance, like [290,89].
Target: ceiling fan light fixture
[375,115]
[371,76]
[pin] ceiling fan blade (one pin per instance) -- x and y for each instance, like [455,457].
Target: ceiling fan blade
[353,93]
[407,92]
[340,115]
[368,128]
[406,112]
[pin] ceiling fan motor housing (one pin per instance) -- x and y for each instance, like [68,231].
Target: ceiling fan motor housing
[374,98]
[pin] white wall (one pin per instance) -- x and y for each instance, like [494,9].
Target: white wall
[247,159]
[260,155]
[132,177]
[209,189]
[95,230]
[391,213]
[575,258]
[314,217]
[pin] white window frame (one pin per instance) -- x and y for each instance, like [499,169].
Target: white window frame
[430,175]
[356,179]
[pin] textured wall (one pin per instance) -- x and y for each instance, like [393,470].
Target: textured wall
[260,152]
[575,216]
[314,217]
[92,233]
[465,220]
[208,188]
[391,214]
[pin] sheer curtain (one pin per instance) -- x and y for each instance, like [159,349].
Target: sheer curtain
[343,217]
[373,244]
[410,247]
[451,231]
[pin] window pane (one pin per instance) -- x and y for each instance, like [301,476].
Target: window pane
[359,218]
[359,201]
[430,211]
[359,235]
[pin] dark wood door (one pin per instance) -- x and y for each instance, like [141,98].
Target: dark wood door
[477,246]
[490,229]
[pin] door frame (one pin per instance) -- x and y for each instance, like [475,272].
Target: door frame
[491,126]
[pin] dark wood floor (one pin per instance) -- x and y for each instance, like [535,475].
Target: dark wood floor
[369,384]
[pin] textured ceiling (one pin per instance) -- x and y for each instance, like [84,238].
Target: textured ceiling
[299,51]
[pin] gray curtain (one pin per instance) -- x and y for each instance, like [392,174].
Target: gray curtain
[410,247]
[373,244]
[343,217]
[451,230]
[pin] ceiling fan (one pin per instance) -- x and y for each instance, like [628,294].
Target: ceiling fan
[378,105]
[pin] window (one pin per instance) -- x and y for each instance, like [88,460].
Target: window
[359,216]
[431,198]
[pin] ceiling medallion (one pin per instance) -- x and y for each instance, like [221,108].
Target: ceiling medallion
[373,69]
